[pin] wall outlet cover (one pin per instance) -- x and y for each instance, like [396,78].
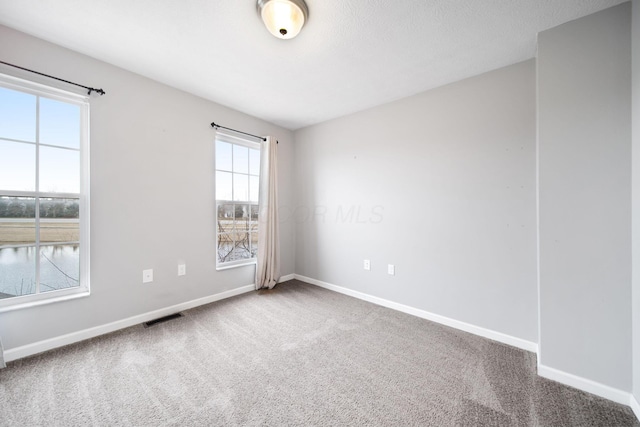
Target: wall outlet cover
[147,276]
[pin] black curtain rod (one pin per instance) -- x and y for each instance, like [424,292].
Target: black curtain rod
[90,89]
[215,125]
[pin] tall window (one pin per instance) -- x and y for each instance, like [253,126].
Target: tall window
[237,179]
[43,196]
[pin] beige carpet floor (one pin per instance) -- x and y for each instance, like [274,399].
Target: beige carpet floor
[297,355]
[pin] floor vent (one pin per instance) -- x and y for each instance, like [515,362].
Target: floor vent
[162,319]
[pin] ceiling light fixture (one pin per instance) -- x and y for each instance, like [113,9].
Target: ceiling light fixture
[283,18]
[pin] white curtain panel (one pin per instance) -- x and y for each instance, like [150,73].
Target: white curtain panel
[268,267]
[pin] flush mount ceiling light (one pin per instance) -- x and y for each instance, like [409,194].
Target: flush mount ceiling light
[283,18]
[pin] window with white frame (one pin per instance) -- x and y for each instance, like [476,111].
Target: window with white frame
[237,185]
[44,193]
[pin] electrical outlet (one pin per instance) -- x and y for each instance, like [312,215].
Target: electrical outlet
[147,276]
[367,264]
[391,269]
[182,269]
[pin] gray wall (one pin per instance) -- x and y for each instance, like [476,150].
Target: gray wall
[584,145]
[442,185]
[635,40]
[152,195]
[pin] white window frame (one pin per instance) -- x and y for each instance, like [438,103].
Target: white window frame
[24,301]
[234,140]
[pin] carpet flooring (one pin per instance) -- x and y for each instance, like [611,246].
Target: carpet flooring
[296,355]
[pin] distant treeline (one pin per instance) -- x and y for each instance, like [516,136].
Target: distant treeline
[239,211]
[22,207]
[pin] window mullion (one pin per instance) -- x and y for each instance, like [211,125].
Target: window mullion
[233,206]
[17,140]
[233,227]
[233,179]
[37,204]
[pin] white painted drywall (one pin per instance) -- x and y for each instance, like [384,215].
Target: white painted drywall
[152,195]
[584,112]
[635,129]
[442,185]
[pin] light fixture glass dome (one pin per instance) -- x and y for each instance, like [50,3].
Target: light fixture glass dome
[283,18]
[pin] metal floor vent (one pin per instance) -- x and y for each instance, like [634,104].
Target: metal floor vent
[162,319]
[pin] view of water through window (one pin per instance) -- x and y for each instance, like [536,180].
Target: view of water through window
[59,269]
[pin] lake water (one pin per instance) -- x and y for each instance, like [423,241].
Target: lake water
[59,269]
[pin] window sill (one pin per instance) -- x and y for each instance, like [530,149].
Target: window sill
[230,266]
[29,304]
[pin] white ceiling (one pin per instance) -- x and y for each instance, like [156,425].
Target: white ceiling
[351,55]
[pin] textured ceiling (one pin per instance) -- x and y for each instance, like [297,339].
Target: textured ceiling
[351,55]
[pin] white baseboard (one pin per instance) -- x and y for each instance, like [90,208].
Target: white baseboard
[584,384]
[467,327]
[635,406]
[287,278]
[49,344]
